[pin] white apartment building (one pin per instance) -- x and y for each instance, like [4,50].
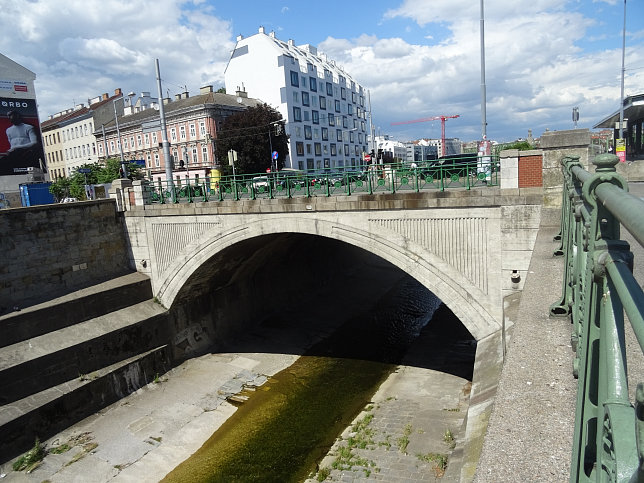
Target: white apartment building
[324,107]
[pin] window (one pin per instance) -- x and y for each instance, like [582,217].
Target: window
[346,150]
[111,146]
[157,163]
[124,143]
[337,106]
[195,158]
[309,150]
[353,97]
[333,151]
[325,147]
[345,123]
[193,131]
[204,153]
[316,117]
[331,119]
[202,128]
[146,137]
[313,84]
[307,116]
[343,93]
[316,133]
[182,133]
[85,129]
[351,138]
[325,134]
[132,142]
[318,149]
[296,97]
[295,79]
[297,114]
[350,109]
[299,148]
[329,89]
[322,102]
[139,140]
[307,132]
[154,139]
[305,99]
[338,134]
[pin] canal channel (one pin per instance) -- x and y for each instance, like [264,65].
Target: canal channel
[283,428]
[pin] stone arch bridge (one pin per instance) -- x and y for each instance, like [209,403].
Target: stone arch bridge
[470,248]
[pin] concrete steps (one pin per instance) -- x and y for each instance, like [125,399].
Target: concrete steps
[69,357]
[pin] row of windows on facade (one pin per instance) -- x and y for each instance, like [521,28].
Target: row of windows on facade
[330,120]
[311,133]
[330,149]
[330,89]
[69,134]
[327,163]
[77,152]
[320,102]
[153,160]
[344,109]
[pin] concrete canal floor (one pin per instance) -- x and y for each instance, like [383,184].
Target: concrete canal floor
[147,434]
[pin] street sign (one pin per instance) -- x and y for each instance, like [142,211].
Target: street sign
[367,158]
[84,170]
[275,154]
[138,162]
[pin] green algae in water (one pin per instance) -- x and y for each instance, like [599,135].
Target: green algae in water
[280,434]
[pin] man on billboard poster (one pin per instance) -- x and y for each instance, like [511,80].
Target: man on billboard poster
[20,146]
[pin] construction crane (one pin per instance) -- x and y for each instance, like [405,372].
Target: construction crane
[434,118]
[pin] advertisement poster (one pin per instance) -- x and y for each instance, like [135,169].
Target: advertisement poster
[620,150]
[21,147]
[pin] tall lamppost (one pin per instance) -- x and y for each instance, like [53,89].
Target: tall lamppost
[118,131]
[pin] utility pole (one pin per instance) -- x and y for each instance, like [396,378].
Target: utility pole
[164,134]
[483,94]
[621,100]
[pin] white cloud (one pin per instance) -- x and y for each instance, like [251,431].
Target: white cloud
[106,44]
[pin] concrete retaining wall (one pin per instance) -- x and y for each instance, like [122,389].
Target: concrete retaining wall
[51,250]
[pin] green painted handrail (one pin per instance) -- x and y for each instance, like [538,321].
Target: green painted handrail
[598,287]
[390,178]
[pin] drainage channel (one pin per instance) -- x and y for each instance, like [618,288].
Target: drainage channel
[283,429]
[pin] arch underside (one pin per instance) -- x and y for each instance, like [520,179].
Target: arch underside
[456,275]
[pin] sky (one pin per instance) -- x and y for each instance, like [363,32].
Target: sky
[417,58]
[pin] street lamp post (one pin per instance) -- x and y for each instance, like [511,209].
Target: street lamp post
[118,131]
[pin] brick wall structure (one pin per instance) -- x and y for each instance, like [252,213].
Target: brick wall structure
[530,171]
[49,250]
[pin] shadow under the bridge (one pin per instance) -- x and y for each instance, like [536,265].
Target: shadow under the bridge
[303,294]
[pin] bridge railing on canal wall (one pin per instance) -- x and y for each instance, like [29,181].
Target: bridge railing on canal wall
[390,178]
[598,287]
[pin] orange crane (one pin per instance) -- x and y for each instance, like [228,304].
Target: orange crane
[435,118]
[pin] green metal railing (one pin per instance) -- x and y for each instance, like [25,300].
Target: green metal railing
[598,287]
[392,178]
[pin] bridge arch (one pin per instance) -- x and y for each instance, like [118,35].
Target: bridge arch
[466,300]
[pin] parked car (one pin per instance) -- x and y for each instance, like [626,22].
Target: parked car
[260,183]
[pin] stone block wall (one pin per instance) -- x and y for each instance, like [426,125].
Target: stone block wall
[556,145]
[49,250]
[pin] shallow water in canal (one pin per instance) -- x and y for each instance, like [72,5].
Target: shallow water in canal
[288,424]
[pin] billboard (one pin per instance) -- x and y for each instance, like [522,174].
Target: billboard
[21,148]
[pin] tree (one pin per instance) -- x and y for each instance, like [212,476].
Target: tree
[74,186]
[221,90]
[254,133]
